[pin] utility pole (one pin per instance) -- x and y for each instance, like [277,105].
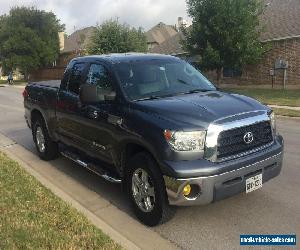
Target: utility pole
[284,78]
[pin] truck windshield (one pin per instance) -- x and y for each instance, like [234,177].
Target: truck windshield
[158,79]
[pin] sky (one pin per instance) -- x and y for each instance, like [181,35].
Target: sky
[77,14]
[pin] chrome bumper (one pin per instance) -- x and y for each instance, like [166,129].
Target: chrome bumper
[216,187]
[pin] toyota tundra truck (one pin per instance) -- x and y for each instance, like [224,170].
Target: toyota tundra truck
[157,126]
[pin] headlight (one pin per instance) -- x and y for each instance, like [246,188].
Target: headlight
[185,141]
[273,121]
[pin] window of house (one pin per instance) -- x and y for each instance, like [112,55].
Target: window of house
[228,72]
[75,77]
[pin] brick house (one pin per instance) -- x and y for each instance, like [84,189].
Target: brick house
[281,22]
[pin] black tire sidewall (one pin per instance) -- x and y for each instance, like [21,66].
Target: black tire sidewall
[145,162]
[50,148]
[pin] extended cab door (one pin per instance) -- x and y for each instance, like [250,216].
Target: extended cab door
[68,106]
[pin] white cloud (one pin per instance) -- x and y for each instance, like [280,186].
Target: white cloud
[83,13]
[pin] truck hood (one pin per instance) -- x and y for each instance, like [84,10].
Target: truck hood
[199,109]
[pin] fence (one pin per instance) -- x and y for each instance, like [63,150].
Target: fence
[54,73]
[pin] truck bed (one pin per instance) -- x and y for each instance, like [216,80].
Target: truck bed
[43,97]
[50,83]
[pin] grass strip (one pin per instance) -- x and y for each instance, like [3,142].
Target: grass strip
[32,217]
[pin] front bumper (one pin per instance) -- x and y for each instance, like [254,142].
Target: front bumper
[207,189]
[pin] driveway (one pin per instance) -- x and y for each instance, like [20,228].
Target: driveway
[274,209]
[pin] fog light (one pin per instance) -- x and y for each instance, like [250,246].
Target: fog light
[187,190]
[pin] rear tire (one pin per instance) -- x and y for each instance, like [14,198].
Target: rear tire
[149,200]
[46,148]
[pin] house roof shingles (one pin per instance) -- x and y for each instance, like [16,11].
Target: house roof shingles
[78,40]
[171,46]
[280,19]
[160,33]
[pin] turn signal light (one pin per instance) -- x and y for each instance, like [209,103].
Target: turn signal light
[168,134]
[187,190]
[25,93]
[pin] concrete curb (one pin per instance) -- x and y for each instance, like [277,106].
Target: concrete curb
[108,220]
[18,86]
[288,117]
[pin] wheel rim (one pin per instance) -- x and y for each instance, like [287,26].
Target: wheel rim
[143,190]
[40,140]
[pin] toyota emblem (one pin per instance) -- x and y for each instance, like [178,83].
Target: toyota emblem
[248,137]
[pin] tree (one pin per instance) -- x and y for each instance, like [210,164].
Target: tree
[225,33]
[113,37]
[28,39]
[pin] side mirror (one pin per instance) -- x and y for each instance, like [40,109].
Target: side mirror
[88,93]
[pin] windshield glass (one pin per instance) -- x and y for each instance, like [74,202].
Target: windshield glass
[157,79]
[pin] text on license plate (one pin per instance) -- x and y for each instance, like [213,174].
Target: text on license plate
[253,183]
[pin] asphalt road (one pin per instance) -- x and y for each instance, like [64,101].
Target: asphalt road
[274,209]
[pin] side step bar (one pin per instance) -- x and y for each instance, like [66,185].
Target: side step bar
[97,170]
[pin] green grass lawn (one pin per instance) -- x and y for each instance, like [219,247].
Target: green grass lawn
[32,217]
[287,112]
[271,96]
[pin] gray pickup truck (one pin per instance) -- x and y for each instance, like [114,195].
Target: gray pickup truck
[156,125]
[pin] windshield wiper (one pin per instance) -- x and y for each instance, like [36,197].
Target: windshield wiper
[152,97]
[183,81]
[194,90]
[197,91]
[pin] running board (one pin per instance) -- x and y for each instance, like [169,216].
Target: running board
[96,170]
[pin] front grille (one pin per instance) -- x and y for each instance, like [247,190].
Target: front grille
[231,142]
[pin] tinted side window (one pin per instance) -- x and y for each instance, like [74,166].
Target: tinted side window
[99,76]
[75,77]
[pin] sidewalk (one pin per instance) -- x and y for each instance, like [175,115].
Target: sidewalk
[19,86]
[116,223]
[285,107]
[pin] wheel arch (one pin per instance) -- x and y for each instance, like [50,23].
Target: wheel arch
[132,148]
[37,113]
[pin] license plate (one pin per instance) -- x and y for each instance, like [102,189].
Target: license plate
[253,183]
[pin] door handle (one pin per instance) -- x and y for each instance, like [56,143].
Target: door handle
[82,108]
[80,105]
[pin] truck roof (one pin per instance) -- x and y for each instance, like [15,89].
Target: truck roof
[126,57]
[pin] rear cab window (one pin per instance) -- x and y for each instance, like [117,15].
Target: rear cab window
[75,79]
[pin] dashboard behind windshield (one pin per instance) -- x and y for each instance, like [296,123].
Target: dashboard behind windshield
[157,78]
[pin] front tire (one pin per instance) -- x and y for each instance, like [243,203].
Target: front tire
[46,148]
[147,192]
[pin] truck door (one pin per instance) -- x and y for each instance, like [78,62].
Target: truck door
[100,122]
